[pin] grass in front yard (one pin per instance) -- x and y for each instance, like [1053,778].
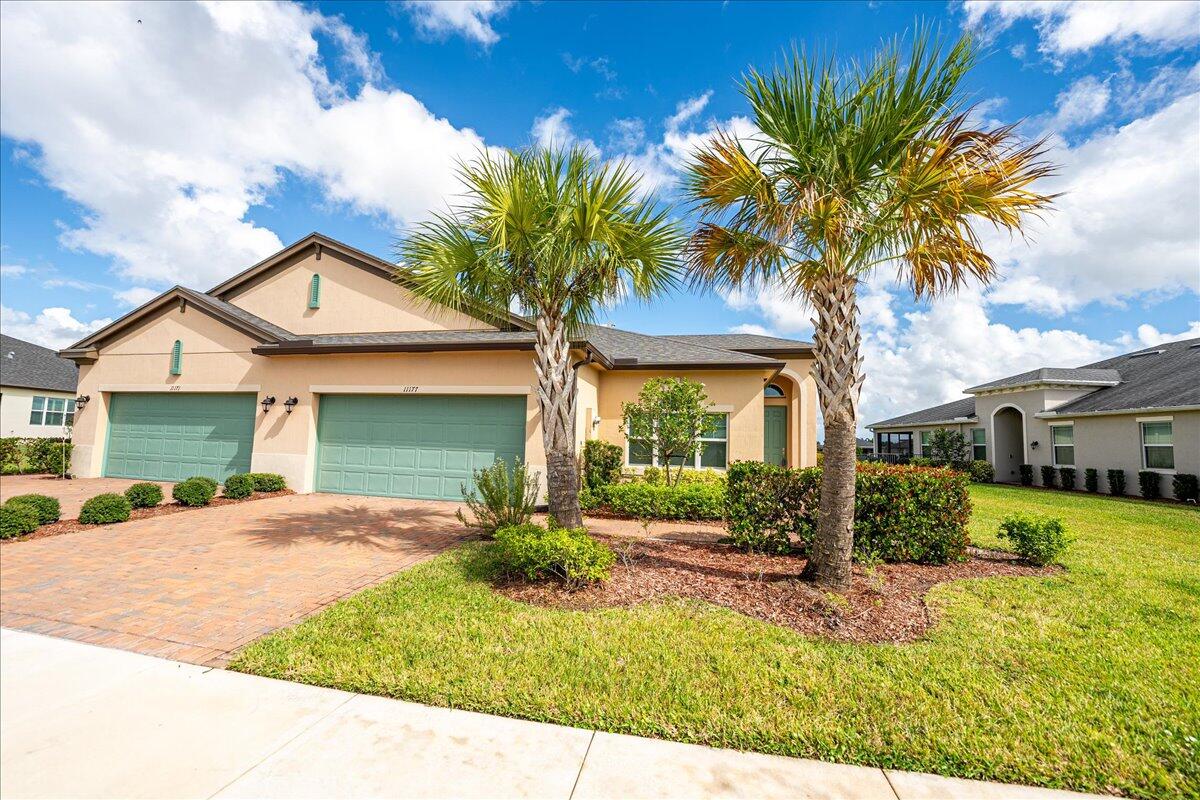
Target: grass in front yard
[1087,680]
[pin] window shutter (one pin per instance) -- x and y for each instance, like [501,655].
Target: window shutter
[314,292]
[177,358]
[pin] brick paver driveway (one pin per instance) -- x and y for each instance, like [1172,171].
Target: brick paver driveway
[72,493]
[196,586]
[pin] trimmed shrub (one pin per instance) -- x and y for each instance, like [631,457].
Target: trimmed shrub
[1048,475]
[589,500]
[238,486]
[601,464]
[506,497]
[1091,480]
[702,477]
[1186,488]
[659,501]
[982,471]
[1066,478]
[144,495]
[652,476]
[17,519]
[104,509]
[267,481]
[207,481]
[1037,539]
[194,492]
[1148,484]
[1026,471]
[1116,482]
[57,459]
[902,513]
[10,453]
[569,555]
[920,461]
[47,509]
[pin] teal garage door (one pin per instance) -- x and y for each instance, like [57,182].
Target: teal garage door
[169,437]
[422,446]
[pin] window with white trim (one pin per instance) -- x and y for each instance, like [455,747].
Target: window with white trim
[713,452]
[926,436]
[979,444]
[1158,445]
[1063,439]
[54,411]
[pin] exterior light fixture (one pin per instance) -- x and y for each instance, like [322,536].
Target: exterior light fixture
[82,401]
[267,402]
[1033,445]
[290,403]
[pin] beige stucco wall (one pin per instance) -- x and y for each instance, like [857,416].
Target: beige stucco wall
[352,301]
[15,404]
[587,405]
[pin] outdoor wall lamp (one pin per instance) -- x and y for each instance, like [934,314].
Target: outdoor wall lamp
[596,422]
[290,403]
[267,402]
[1033,445]
[82,401]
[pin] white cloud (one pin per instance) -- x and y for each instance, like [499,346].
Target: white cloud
[13,270]
[1071,27]
[1080,103]
[554,130]
[53,327]
[750,328]
[135,296]
[169,131]
[1148,336]
[471,19]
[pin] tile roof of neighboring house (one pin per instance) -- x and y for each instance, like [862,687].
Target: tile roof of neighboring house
[1082,376]
[31,366]
[955,410]
[745,342]
[1163,376]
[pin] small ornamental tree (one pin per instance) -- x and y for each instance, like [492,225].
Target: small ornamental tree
[671,414]
[949,447]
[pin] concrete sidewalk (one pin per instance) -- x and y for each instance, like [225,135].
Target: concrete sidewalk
[83,721]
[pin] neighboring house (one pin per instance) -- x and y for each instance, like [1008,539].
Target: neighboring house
[865,447]
[37,390]
[1132,412]
[376,392]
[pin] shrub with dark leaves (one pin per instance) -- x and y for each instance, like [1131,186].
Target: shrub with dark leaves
[197,491]
[1186,488]
[569,555]
[691,500]
[144,495]
[1026,471]
[17,520]
[1116,482]
[238,486]
[104,509]
[1091,480]
[982,471]
[47,509]
[267,481]
[1037,539]
[1149,484]
[502,496]
[1066,478]
[1048,476]
[601,464]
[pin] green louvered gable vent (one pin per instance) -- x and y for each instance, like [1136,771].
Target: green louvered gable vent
[177,358]
[314,292]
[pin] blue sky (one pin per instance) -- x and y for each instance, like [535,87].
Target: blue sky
[153,144]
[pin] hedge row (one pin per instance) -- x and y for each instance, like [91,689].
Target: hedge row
[902,513]
[692,500]
[1185,487]
[21,454]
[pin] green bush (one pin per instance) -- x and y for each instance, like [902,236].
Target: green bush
[1116,482]
[1091,480]
[982,471]
[902,513]
[56,460]
[105,508]
[589,500]
[47,508]
[144,495]
[1026,471]
[1186,488]
[652,476]
[659,501]
[567,555]
[701,477]
[601,464]
[1048,476]
[1038,539]
[238,486]
[920,461]
[197,491]
[1066,478]
[10,452]
[506,497]
[1149,484]
[267,481]
[17,519]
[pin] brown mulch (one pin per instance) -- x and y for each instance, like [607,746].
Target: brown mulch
[886,603]
[74,525]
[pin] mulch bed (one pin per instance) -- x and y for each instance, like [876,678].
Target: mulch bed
[886,604]
[74,525]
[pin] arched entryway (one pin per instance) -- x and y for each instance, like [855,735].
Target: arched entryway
[1008,443]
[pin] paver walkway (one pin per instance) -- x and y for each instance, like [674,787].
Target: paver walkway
[72,493]
[197,585]
[83,721]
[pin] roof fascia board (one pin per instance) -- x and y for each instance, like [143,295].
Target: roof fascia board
[955,421]
[1114,412]
[1020,387]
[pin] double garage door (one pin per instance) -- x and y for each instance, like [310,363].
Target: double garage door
[419,446]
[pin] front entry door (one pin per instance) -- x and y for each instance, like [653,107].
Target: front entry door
[775,435]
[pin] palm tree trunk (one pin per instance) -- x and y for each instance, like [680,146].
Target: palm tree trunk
[556,399]
[837,374]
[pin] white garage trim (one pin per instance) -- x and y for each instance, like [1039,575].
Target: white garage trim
[337,388]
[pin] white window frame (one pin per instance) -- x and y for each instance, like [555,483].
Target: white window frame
[67,411]
[699,450]
[41,412]
[1141,423]
[975,445]
[1054,447]
[924,438]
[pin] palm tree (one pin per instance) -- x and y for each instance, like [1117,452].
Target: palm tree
[562,235]
[855,167]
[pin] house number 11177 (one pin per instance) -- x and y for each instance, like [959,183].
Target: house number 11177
[409,389]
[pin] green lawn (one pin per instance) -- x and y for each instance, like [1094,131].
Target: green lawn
[1089,680]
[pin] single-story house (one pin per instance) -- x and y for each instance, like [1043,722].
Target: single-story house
[37,390]
[1138,411]
[318,364]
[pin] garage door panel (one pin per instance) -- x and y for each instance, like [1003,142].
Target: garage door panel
[175,436]
[414,446]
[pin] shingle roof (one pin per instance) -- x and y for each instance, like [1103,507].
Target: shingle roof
[954,410]
[1080,376]
[745,342]
[31,366]
[238,312]
[1164,376]
[628,349]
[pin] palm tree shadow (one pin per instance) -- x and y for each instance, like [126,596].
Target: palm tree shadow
[407,531]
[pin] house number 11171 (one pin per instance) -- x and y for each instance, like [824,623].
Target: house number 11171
[409,389]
